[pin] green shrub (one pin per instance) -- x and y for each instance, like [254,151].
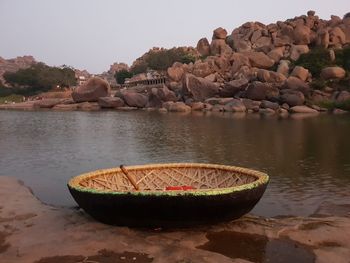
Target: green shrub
[40,77]
[319,84]
[315,61]
[139,68]
[331,105]
[187,59]
[120,76]
[343,58]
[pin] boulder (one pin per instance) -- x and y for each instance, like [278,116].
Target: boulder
[343,96]
[110,102]
[235,106]
[89,106]
[300,72]
[66,107]
[333,73]
[202,69]
[322,37]
[133,99]
[238,60]
[302,109]
[220,33]
[267,111]
[270,76]
[200,88]
[47,103]
[197,106]
[265,104]
[93,89]
[292,97]
[276,54]
[251,104]
[301,35]
[337,37]
[297,50]
[203,47]
[218,47]
[295,83]
[257,91]
[231,88]
[259,59]
[283,67]
[176,107]
[176,71]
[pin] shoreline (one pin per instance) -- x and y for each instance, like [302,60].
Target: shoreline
[31,231]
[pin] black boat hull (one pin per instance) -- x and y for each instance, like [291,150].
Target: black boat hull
[183,210]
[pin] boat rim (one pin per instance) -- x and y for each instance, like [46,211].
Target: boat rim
[262,178]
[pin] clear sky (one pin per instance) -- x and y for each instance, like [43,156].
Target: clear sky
[92,34]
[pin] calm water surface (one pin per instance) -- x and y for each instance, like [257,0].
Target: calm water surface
[308,159]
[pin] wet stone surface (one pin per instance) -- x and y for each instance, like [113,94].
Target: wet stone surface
[103,256]
[257,248]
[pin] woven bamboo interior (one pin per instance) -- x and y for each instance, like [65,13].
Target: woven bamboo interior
[157,179]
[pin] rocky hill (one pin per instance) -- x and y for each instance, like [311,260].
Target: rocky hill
[12,65]
[262,63]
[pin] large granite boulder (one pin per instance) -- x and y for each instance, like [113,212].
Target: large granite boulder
[333,73]
[235,106]
[297,50]
[219,46]
[93,89]
[302,109]
[176,72]
[258,90]
[176,106]
[232,87]
[110,102]
[47,103]
[259,59]
[133,99]
[300,72]
[220,33]
[200,88]
[203,47]
[343,96]
[295,83]
[202,69]
[292,97]
[302,35]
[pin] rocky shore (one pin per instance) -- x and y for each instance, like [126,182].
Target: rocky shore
[31,231]
[255,69]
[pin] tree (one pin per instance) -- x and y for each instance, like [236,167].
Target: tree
[41,77]
[121,75]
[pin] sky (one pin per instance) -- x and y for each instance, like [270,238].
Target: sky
[93,34]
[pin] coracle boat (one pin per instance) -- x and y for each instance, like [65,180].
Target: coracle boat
[161,195]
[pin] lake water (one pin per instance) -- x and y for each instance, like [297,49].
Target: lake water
[308,159]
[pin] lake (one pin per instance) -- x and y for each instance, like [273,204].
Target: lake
[308,159]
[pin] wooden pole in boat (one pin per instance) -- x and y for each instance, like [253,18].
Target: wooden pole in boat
[130,178]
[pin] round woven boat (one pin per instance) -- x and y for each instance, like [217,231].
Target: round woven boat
[181,194]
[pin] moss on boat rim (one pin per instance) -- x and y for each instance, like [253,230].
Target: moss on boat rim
[262,178]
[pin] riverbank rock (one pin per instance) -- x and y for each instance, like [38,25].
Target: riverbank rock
[133,99]
[300,72]
[235,106]
[302,109]
[176,107]
[110,102]
[47,103]
[260,91]
[200,88]
[232,87]
[333,73]
[295,83]
[93,89]
[35,229]
[292,97]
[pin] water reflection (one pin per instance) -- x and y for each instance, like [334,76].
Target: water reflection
[308,159]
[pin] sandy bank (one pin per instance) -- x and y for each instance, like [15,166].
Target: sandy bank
[31,231]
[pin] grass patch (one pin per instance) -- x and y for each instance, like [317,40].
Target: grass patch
[11,98]
[331,105]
